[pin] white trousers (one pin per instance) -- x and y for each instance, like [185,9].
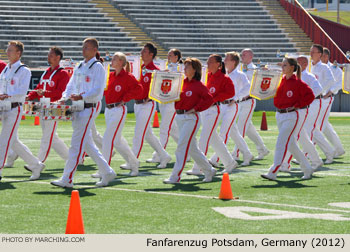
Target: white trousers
[287,125]
[115,120]
[96,136]
[50,140]
[209,136]
[82,140]
[168,126]
[304,139]
[144,113]
[9,138]
[187,145]
[317,110]
[329,131]
[246,127]
[229,128]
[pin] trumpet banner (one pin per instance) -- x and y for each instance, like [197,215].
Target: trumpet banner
[135,65]
[265,83]
[346,79]
[166,86]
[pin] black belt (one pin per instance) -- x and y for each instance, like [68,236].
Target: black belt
[142,101]
[318,97]
[305,107]
[227,101]
[89,105]
[246,98]
[113,105]
[180,111]
[216,103]
[286,110]
[15,104]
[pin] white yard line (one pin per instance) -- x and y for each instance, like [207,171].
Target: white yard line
[198,196]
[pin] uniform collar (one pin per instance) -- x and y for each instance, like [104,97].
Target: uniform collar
[49,69]
[318,64]
[293,77]
[15,65]
[149,65]
[90,61]
[121,73]
[216,74]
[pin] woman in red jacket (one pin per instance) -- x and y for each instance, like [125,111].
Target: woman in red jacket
[292,94]
[194,98]
[221,88]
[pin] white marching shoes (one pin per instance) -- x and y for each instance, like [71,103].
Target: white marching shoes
[106,179]
[36,170]
[209,177]
[229,169]
[61,183]
[164,161]
[261,155]
[247,159]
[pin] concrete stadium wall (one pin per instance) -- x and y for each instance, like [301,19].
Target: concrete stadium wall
[341,102]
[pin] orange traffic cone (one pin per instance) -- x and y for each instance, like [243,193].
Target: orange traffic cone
[155,120]
[263,125]
[225,191]
[75,224]
[37,120]
[23,117]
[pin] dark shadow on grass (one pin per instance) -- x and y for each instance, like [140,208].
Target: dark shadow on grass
[6,185]
[83,192]
[286,184]
[89,167]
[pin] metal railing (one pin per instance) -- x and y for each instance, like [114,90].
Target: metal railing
[313,29]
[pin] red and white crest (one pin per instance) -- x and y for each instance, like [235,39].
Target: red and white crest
[118,88]
[12,82]
[145,79]
[87,78]
[212,90]
[69,71]
[188,93]
[52,83]
[166,86]
[290,93]
[265,84]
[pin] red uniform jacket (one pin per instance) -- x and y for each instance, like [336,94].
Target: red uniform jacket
[194,95]
[122,87]
[146,80]
[220,86]
[293,93]
[2,65]
[54,89]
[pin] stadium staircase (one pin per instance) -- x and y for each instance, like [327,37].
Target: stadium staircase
[199,27]
[40,24]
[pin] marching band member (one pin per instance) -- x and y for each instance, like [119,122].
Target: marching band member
[230,107]
[221,88]
[306,119]
[87,85]
[194,98]
[292,94]
[122,87]
[247,106]
[14,84]
[51,85]
[144,110]
[168,125]
[324,75]
[2,66]
[327,128]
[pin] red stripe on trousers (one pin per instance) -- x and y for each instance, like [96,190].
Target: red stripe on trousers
[115,133]
[318,114]
[286,147]
[13,128]
[211,132]
[229,128]
[81,146]
[51,137]
[171,123]
[188,146]
[324,116]
[144,132]
[245,124]
[302,125]
[84,154]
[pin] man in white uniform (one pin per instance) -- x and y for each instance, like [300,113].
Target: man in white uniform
[247,106]
[14,84]
[87,85]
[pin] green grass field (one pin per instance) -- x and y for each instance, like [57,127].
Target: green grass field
[144,205]
[332,15]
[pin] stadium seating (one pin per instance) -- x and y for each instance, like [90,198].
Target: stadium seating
[199,28]
[40,24]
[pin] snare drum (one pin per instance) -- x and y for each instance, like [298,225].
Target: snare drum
[31,108]
[57,112]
